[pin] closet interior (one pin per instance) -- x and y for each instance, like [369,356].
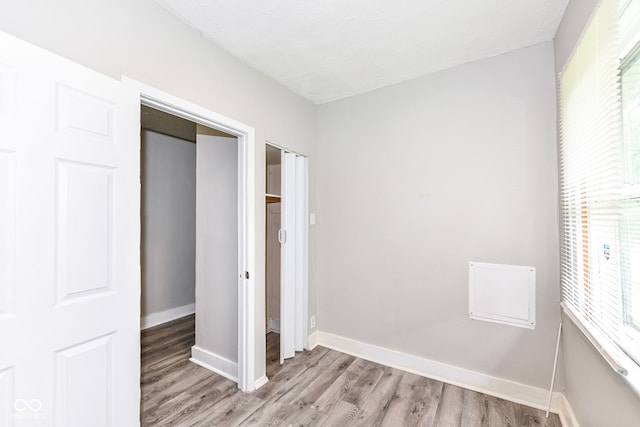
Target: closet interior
[273,224]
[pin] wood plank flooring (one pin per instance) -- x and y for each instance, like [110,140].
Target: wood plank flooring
[316,388]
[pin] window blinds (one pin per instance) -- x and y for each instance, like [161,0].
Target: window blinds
[594,240]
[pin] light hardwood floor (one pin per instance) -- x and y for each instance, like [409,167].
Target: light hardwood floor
[320,388]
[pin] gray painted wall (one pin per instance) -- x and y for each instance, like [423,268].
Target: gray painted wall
[217,245]
[168,222]
[142,40]
[575,18]
[597,395]
[416,180]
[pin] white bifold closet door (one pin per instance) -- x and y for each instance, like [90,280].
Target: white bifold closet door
[293,239]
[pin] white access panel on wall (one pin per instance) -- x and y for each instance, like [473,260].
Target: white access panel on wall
[502,294]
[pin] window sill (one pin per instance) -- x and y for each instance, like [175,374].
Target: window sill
[619,362]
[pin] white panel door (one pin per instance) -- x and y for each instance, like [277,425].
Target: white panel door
[69,243]
[287,256]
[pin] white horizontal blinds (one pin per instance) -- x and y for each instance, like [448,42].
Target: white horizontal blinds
[592,176]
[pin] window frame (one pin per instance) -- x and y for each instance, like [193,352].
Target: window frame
[629,336]
[590,201]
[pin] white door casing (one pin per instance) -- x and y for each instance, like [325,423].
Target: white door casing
[250,329]
[69,243]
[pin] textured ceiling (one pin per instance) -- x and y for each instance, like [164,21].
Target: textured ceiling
[330,49]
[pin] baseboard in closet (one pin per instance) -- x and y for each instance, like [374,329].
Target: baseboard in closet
[154,319]
[214,363]
[273,325]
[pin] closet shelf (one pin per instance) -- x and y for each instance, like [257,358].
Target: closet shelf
[273,198]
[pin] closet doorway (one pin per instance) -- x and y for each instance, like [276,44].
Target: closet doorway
[189,242]
[286,286]
[232,352]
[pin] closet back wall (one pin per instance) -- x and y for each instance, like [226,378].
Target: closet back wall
[168,225]
[273,247]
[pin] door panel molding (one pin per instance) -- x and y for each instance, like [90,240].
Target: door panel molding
[72,220]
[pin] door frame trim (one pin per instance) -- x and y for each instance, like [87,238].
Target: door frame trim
[163,101]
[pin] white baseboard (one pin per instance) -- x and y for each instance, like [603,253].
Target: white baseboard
[260,382]
[273,325]
[567,417]
[498,387]
[154,319]
[215,363]
[313,340]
